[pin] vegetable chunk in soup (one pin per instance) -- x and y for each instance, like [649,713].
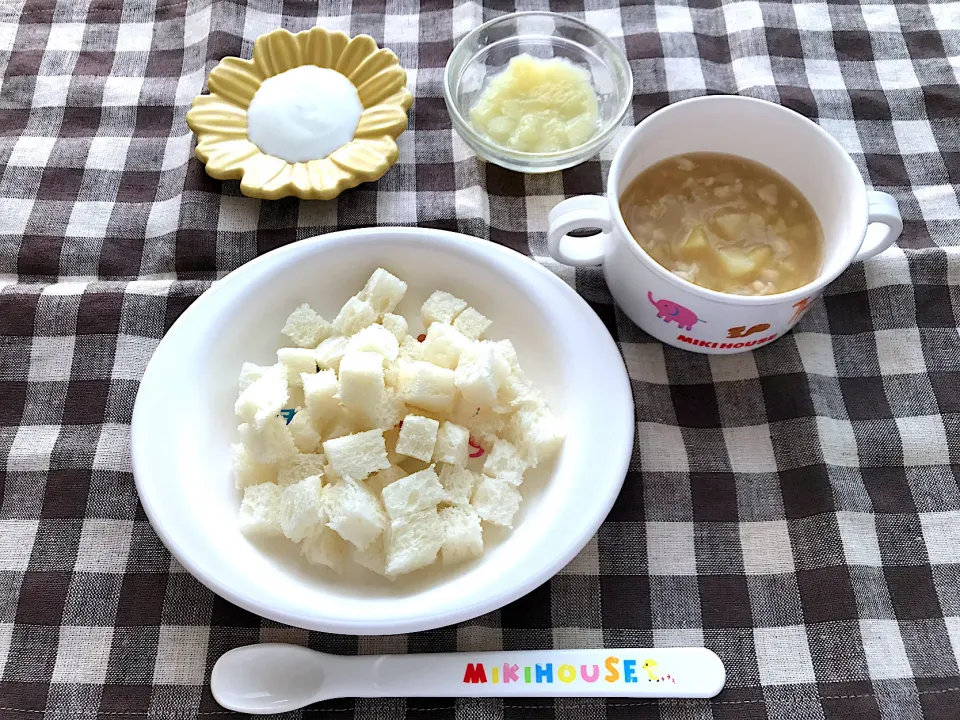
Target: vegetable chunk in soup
[725,223]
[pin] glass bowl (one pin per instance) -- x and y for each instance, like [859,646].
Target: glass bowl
[485,52]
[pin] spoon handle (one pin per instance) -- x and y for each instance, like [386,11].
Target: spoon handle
[622,672]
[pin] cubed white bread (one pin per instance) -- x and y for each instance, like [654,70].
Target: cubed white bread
[496,501]
[484,424]
[390,438]
[413,493]
[391,411]
[536,432]
[516,392]
[441,307]
[264,398]
[357,456]
[471,323]
[320,396]
[413,542]
[379,480]
[458,484]
[509,353]
[354,316]
[305,435]
[418,437]
[249,374]
[260,510]
[504,462]
[443,345]
[302,508]
[453,444]
[306,328]
[297,361]
[330,351]
[362,390]
[301,466]
[383,291]
[397,324]
[325,547]
[372,558]
[427,386]
[375,339]
[462,534]
[339,428]
[480,373]
[271,443]
[411,349]
[246,470]
[354,512]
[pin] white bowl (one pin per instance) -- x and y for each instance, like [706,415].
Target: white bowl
[183,425]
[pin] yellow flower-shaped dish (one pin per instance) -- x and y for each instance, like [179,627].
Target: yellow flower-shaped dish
[219,119]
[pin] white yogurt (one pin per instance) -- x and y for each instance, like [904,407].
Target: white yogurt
[303,114]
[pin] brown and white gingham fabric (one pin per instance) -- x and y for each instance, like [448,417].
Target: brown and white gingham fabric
[796,509]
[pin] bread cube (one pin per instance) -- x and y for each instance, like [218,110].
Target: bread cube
[504,462]
[260,510]
[471,323]
[427,386]
[536,433]
[463,535]
[246,470]
[443,346]
[362,391]
[377,339]
[305,436]
[306,328]
[264,398]
[441,307]
[379,480]
[480,373]
[297,361]
[354,316]
[412,493]
[325,547]
[373,558]
[496,501]
[357,456]
[418,437]
[299,467]
[354,512]
[413,542]
[330,351]
[302,510]
[250,373]
[391,411]
[320,396]
[397,324]
[458,484]
[383,291]
[484,424]
[411,349]
[269,444]
[453,444]
[509,353]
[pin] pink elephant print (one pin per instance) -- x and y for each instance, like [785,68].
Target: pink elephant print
[671,312]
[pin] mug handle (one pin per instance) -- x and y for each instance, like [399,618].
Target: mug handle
[584,211]
[882,209]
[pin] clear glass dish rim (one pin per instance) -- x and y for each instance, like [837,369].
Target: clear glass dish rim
[538,159]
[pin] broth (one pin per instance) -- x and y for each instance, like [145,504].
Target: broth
[725,223]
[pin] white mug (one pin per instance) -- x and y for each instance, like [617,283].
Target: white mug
[691,317]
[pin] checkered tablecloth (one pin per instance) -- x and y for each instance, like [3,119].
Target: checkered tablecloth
[796,509]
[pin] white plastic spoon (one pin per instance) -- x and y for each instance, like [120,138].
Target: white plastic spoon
[274,678]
